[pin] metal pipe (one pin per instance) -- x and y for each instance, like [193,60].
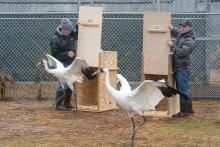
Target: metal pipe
[78,4]
[158,5]
[92,2]
[21,18]
[130,13]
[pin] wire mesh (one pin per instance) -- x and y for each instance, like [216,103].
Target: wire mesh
[27,26]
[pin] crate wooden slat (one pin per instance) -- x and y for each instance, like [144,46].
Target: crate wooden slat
[92,94]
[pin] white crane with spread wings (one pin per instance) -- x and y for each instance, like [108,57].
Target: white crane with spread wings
[66,75]
[144,98]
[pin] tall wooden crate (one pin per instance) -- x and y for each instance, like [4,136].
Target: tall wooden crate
[92,94]
[89,34]
[157,59]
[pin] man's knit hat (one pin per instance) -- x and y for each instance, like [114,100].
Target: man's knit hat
[66,24]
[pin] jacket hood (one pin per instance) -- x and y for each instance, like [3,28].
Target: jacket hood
[58,32]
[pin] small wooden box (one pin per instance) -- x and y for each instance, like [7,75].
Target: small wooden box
[92,94]
[168,106]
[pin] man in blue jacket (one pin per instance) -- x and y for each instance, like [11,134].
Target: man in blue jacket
[182,49]
[63,48]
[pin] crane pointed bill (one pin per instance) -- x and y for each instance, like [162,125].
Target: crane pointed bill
[96,72]
[38,64]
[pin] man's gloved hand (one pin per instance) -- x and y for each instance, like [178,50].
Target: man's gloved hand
[88,73]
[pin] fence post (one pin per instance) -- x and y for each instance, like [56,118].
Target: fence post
[158,5]
[78,4]
[92,2]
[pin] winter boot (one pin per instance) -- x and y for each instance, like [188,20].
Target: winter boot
[190,109]
[59,100]
[184,105]
[67,103]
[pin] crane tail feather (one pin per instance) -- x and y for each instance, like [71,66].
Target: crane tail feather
[170,91]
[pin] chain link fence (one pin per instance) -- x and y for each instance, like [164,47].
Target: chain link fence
[27,26]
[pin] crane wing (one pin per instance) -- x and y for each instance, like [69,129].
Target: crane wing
[53,61]
[150,93]
[77,65]
[124,83]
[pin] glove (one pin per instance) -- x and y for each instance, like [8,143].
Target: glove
[88,73]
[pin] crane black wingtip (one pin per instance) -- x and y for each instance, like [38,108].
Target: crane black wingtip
[168,91]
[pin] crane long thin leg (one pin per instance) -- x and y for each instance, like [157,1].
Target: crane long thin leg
[133,132]
[144,121]
[75,97]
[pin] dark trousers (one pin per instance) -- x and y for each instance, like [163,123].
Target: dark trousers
[63,96]
[182,85]
[182,81]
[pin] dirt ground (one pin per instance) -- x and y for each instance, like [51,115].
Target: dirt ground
[36,123]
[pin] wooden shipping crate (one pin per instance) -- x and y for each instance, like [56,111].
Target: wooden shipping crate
[89,34]
[92,94]
[157,59]
[156,34]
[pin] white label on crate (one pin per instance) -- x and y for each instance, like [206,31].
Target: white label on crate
[156,27]
[108,62]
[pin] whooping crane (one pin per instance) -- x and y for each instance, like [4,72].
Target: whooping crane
[142,99]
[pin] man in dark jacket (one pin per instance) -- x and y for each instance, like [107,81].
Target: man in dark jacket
[63,48]
[182,49]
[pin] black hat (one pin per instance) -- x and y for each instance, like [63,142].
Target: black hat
[88,73]
[186,23]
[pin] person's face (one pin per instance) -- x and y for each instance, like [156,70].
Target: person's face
[185,29]
[66,32]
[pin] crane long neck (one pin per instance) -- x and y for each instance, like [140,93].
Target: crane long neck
[46,67]
[108,86]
